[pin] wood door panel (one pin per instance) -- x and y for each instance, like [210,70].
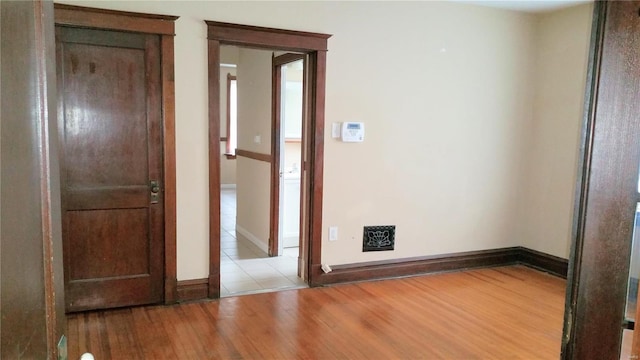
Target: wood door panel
[100,198]
[106,142]
[84,295]
[108,243]
[111,130]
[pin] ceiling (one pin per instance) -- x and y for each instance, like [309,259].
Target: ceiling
[533,6]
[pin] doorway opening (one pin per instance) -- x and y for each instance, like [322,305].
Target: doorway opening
[250,107]
[258,158]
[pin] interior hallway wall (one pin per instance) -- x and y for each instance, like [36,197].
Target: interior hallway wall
[254,121]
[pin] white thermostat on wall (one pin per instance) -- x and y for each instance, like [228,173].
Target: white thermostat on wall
[352,132]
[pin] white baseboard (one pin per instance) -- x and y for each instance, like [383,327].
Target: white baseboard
[254,239]
[291,241]
[227,186]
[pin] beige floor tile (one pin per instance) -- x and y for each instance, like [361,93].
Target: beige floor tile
[242,286]
[246,268]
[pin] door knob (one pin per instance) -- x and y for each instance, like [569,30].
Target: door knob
[154,187]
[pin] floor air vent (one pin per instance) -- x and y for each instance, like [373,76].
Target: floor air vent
[378,238]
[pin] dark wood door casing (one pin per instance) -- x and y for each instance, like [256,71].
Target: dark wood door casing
[32,318]
[607,188]
[160,28]
[314,45]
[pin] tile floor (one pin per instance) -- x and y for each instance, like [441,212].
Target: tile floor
[244,267]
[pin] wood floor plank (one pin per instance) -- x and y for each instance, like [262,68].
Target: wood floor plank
[97,333]
[508,312]
[150,334]
[121,333]
[73,332]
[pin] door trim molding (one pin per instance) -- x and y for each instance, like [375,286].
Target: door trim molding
[606,188]
[266,38]
[315,45]
[287,58]
[80,16]
[582,181]
[162,25]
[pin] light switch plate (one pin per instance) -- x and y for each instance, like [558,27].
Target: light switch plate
[333,233]
[335,130]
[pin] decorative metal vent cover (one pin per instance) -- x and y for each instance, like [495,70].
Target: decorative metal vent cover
[378,238]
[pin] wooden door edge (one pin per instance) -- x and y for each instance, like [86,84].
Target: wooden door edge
[169,171]
[597,34]
[274,186]
[213,56]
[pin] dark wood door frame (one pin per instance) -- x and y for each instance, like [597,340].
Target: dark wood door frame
[276,78]
[32,318]
[606,194]
[315,47]
[163,26]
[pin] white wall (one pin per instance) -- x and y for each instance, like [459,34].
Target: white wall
[562,44]
[254,119]
[445,132]
[447,93]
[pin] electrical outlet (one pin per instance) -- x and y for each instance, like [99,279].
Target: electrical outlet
[333,233]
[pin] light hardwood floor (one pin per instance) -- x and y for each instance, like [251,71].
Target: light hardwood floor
[499,313]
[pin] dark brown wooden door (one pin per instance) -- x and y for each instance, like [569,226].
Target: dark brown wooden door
[109,100]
